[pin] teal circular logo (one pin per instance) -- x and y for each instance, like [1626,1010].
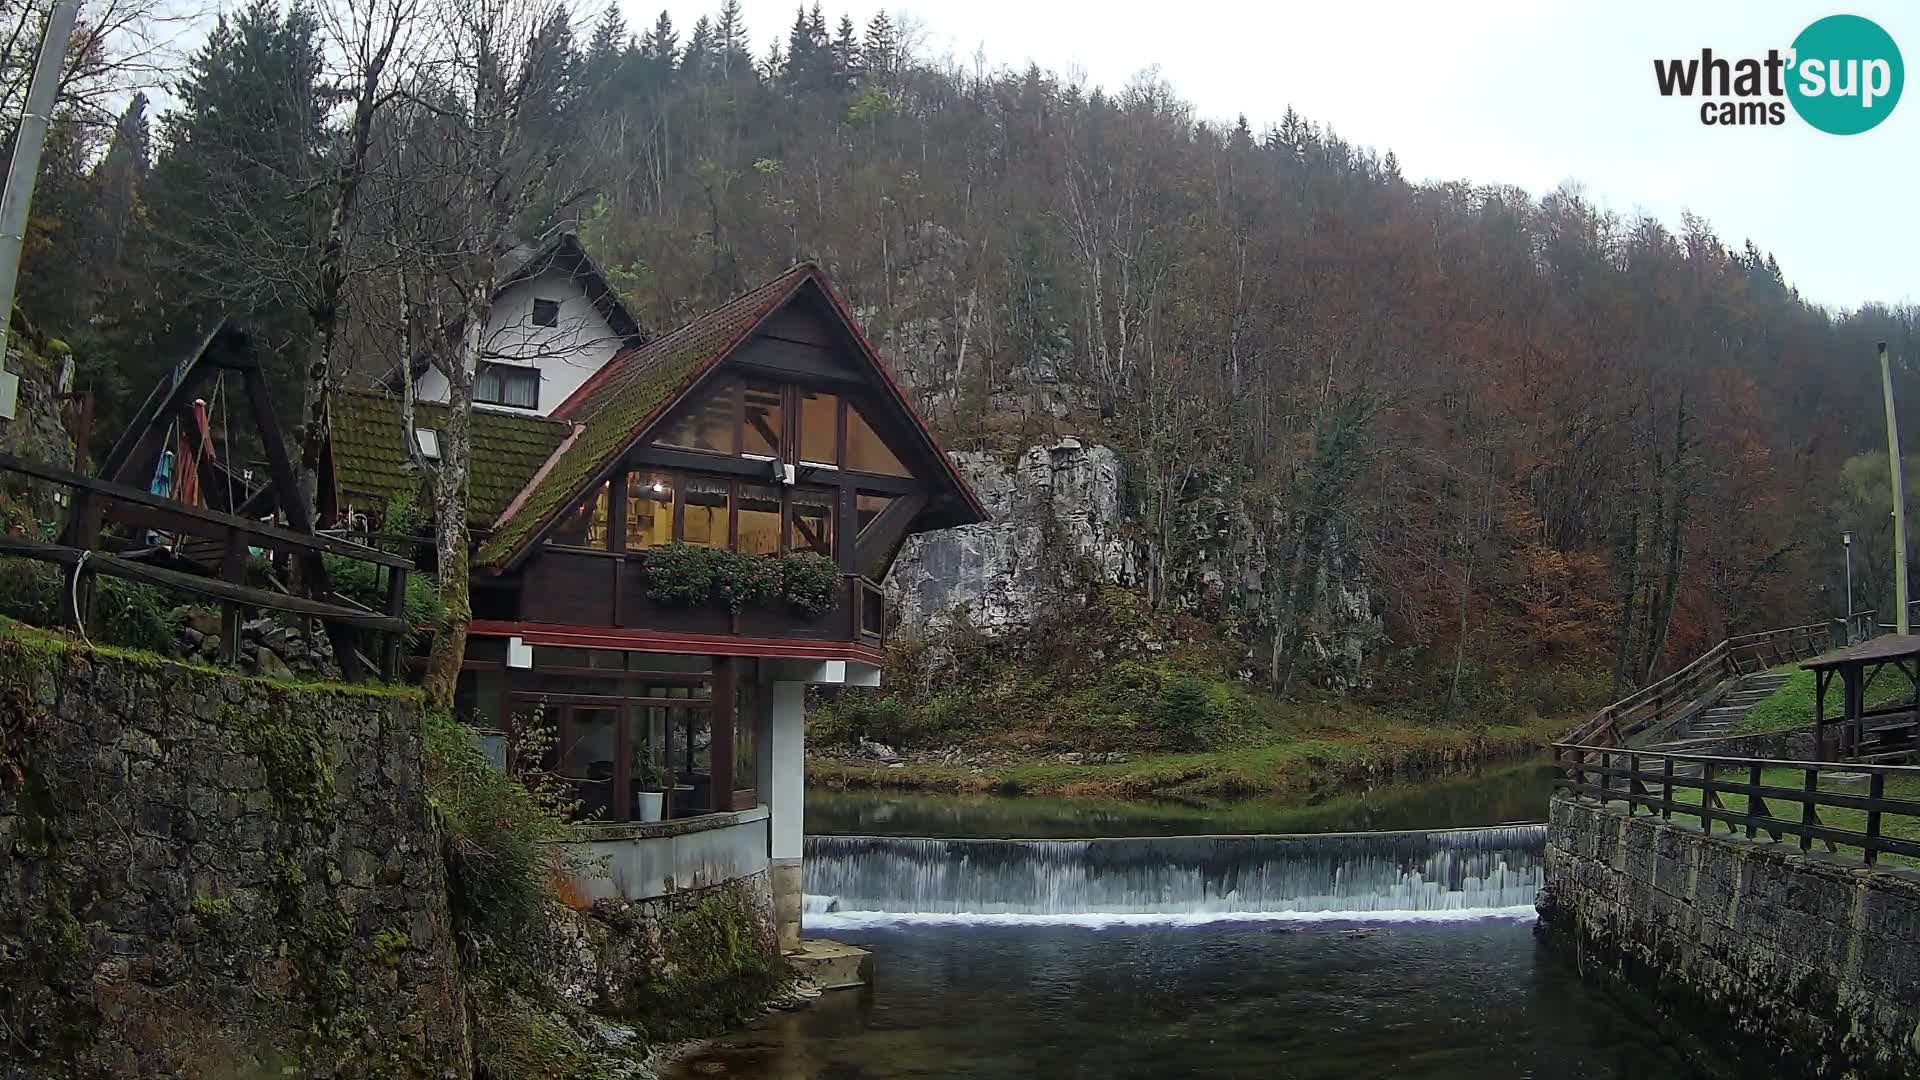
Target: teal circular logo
[1846,75]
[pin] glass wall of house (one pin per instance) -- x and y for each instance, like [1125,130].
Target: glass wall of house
[630,736]
[818,431]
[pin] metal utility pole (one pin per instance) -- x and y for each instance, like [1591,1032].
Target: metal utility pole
[1899,496]
[24,169]
[1846,542]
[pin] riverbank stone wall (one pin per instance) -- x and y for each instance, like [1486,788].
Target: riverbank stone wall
[1756,958]
[690,963]
[206,874]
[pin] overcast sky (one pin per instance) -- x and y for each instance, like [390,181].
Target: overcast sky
[1495,92]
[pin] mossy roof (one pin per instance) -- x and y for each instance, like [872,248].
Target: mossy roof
[370,456]
[625,397]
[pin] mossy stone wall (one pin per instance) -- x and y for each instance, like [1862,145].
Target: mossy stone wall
[1756,959]
[689,964]
[203,874]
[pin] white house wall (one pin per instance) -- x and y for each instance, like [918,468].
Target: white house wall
[566,354]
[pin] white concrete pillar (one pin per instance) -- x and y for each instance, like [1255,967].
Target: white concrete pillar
[786,803]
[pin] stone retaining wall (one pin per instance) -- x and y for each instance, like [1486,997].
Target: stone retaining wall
[208,875]
[1810,962]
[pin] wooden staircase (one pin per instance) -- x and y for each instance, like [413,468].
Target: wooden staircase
[1718,720]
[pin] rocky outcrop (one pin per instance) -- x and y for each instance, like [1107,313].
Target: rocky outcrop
[1056,517]
[37,431]
[1061,522]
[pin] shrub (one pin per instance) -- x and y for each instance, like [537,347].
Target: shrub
[680,575]
[809,582]
[363,583]
[122,613]
[1187,717]
[687,575]
[740,579]
[501,856]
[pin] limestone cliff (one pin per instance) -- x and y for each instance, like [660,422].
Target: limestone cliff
[1062,519]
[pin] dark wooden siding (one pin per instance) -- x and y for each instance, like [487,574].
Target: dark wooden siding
[569,587]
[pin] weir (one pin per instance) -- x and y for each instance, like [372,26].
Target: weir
[1458,871]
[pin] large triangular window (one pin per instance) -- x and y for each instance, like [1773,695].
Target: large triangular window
[865,450]
[774,421]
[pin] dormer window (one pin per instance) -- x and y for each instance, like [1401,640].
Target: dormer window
[507,384]
[546,313]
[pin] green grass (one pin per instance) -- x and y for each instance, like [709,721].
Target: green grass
[1834,817]
[1286,764]
[1791,706]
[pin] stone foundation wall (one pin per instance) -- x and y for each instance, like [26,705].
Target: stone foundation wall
[204,874]
[691,963]
[1795,744]
[1756,958]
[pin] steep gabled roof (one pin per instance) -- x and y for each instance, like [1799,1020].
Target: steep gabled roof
[635,389]
[561,252]
[623,398]
[370,463]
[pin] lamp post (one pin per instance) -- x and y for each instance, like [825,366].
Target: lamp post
[1899,497]
[1846,541]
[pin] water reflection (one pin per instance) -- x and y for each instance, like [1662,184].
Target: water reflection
[1486,796]
[1463,1001]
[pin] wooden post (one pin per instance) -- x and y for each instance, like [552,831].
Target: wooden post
[1876,790]
[1706,796]
[1666,787]
[1807,816]
[233,566]
[725,697]
[396,607]
[1820,678]
[1755,806]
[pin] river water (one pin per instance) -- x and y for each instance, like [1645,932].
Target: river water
[1336,954]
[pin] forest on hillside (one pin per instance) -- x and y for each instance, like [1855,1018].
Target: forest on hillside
[1550,434]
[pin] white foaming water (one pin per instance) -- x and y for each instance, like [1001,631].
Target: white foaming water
[1444,875]
[871,920]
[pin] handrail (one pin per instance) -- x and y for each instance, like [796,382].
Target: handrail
[1706,676]
[233,535]
[1574,765]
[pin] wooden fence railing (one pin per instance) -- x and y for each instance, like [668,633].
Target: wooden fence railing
[1745,794]
[95,501]
[1678,695]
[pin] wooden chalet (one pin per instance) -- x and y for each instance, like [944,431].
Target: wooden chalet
[767,427]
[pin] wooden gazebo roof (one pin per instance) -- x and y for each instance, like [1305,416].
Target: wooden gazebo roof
[1881,650]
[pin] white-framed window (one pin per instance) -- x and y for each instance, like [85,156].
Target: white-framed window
[507,384]
[546,313]
[429,441]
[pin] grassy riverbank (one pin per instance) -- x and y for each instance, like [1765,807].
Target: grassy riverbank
[1791,706]
[1329,758]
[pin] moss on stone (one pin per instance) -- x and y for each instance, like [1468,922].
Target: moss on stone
[700,961]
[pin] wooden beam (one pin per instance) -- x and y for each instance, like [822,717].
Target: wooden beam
[882,536]
[195,519]
[100,562]
[140,443]
[720,725]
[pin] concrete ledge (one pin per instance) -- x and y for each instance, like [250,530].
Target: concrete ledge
[649,830]
[830,965]
[642,861]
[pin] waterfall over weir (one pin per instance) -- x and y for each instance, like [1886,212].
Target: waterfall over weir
[1442,874]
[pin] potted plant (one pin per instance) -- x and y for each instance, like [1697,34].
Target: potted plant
[654,783]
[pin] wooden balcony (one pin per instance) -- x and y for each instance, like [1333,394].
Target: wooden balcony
[585,589]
